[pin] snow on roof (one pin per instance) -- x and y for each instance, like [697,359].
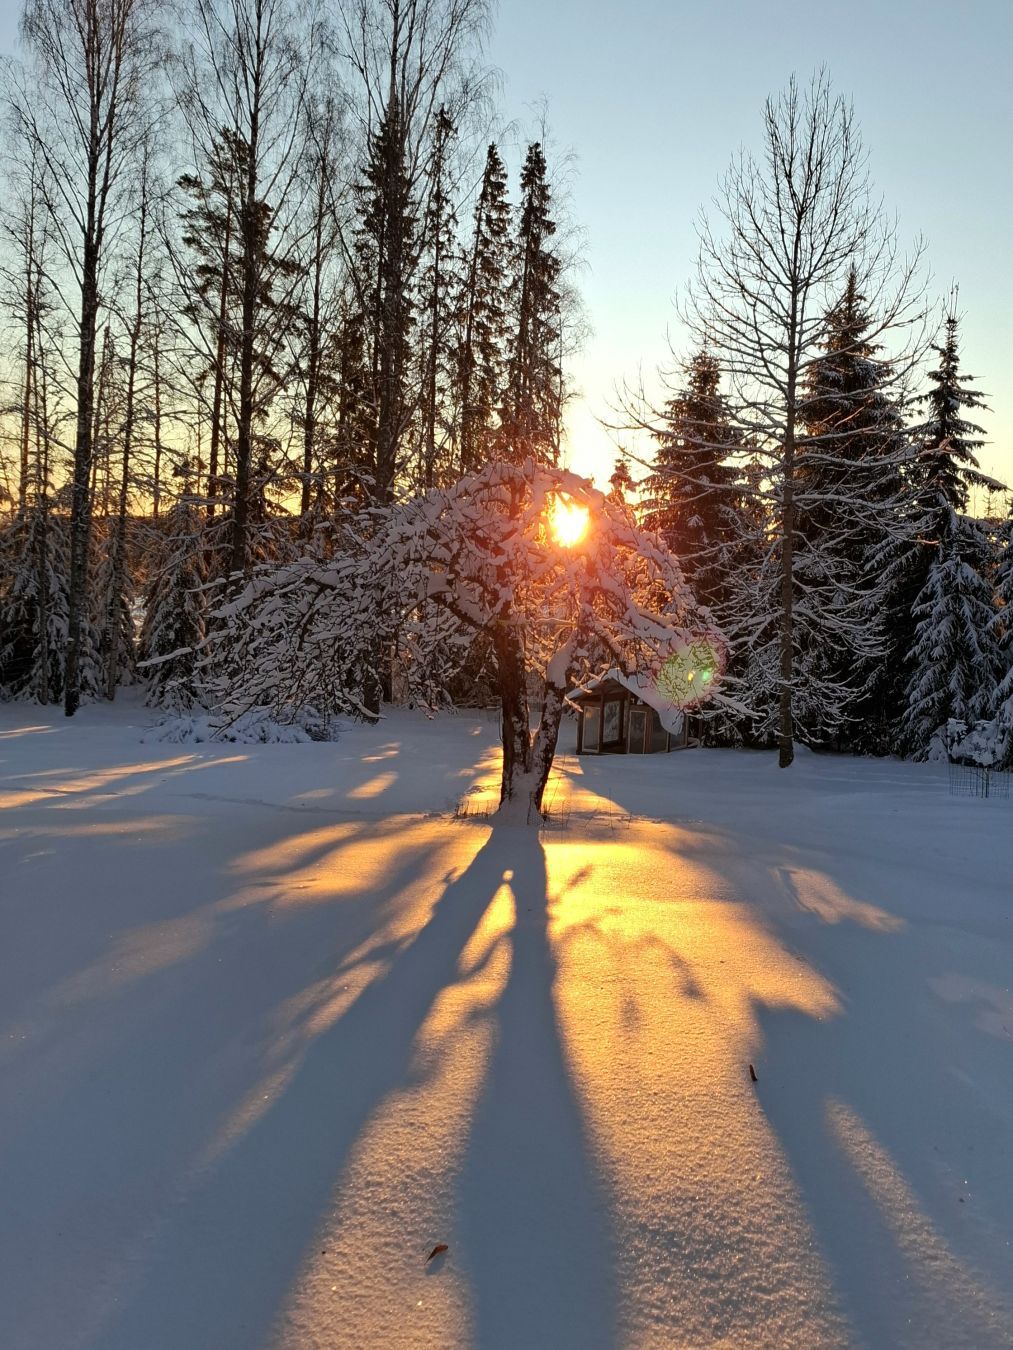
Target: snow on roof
[641,686]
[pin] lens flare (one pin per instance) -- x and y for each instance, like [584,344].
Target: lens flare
[569,521]
[689,674]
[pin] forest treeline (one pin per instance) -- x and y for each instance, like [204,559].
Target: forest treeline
[270,278]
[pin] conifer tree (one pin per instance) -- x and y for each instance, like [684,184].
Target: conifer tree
[851,501]
[384,246]
[354,412]
[851,457]
[242,297]
[34,564]
[175,609]
[947,467]
[692,496]
[439,289]
[35,611]
[621,485]
[953,664]
[531,416]
[480,357]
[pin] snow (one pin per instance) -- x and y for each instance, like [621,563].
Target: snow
[274,1022]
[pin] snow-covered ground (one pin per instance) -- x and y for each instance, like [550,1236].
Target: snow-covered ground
[274,1023]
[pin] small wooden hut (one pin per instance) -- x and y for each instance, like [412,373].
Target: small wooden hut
[614,719]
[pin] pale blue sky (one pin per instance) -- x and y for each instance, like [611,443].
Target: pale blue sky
[655,96]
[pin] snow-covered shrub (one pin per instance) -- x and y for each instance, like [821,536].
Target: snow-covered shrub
[986,743]
[253,727]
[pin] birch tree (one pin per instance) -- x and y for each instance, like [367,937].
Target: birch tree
[93,65]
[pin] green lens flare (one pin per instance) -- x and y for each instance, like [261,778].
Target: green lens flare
[687,672]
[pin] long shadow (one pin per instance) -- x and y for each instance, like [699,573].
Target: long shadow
[534,1221]
[113,1094]
[896,1148]
[894,1114]
[219,1272]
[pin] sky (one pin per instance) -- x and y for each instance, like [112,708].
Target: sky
[653,97]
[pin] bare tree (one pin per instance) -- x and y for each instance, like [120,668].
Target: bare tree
[83,109]
[789,230]
[134,320]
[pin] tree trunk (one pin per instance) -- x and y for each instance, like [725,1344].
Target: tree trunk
[26,418]
[312,364]
[786,727]
[786,745]
[117,582]
[251,263]
[81,487]
[515,786]
[157,424]
[219,386]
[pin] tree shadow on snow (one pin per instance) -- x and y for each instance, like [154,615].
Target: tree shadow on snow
[221,1266]
[535,1224]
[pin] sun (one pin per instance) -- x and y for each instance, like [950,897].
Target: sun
[569,521]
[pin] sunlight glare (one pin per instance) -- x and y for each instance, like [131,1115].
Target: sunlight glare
[569,521]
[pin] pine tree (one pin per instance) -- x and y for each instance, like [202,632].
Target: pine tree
[480,356]
[531,416]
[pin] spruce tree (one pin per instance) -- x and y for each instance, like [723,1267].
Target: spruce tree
[34,565]
[954,659]
[175,610]
[481,354]
[952,662]
[692,495]
[242,296]
[35,611]
[439,291]
[850,500]
[353,413]
[384,254]
[531,416]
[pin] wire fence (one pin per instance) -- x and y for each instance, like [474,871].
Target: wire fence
[978,780]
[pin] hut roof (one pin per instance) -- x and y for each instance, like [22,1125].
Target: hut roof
[615,681]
